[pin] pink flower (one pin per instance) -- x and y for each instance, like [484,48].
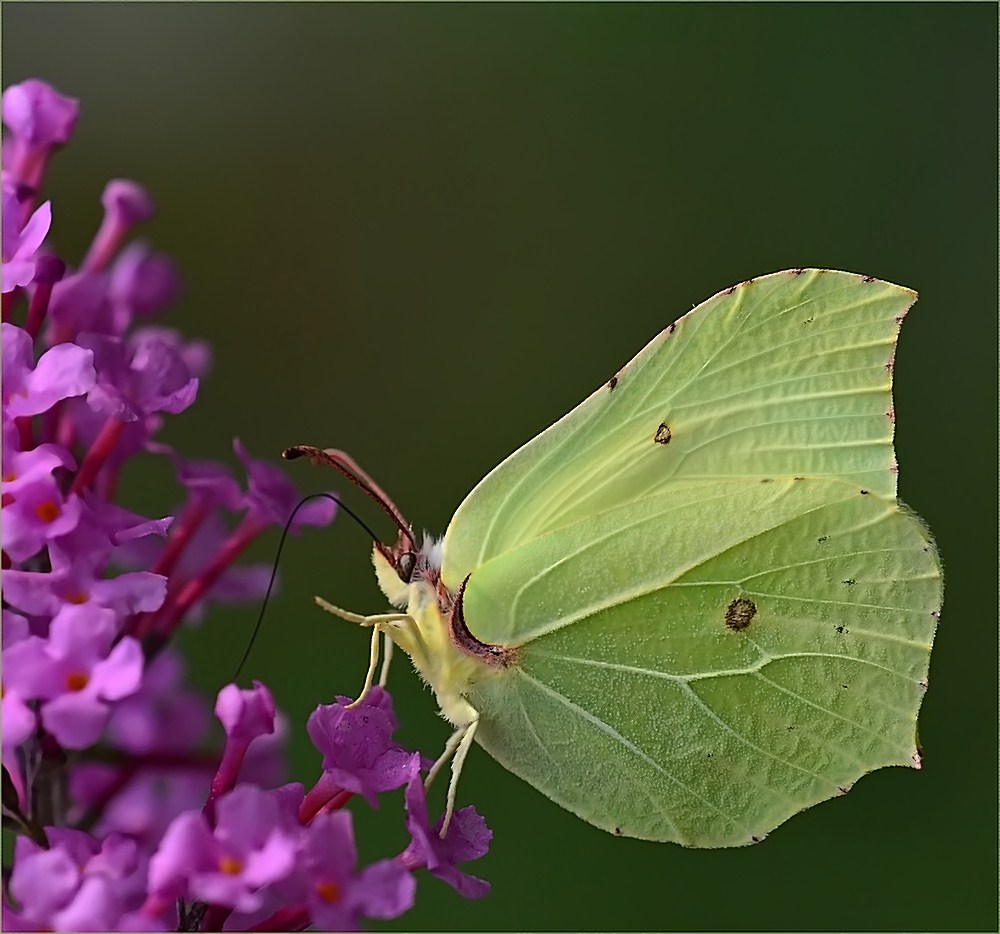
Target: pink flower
[21,244]
[38,115]
[248,849]
[468,838]
[337,895]
[271,496]
[31,388]
[76,672]
[79,883]
[36,515]
[358,752]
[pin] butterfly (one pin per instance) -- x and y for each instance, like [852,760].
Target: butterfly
[693,606]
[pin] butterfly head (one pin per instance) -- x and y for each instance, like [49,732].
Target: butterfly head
[402,566]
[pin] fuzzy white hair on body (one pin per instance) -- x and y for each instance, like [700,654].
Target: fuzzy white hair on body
[432,551]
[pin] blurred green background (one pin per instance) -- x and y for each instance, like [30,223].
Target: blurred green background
[423,233]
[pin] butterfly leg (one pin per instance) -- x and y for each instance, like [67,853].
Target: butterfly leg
[456,749]
[383,677]
[449,751]
[378,622]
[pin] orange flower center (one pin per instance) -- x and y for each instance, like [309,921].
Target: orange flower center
[77,680]
[77,597]
[328,891]
[230,866]
[9,477]
[47,512]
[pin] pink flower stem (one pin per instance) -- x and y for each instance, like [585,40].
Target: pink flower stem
[170,616]
[9,300]
[181,531]
[215,917]
[107,487]
[156,760]
[99,452]
[155,905]
[59,426]
[337,802]
[108,238]
[30,168]
[225,775]
[131,768]
[24,433]
[38,307]
[325,795]
[290,918]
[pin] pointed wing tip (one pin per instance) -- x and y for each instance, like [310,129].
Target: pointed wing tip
[912,294]
[861,277]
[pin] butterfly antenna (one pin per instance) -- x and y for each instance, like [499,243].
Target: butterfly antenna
[346,465]
[277,556]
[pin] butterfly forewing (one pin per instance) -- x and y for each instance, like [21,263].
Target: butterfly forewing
[786,375]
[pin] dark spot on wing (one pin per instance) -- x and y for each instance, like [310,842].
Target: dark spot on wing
[797,272]
[809,321]
[821,539]
[867,278]
[662,435]
[671,327]
[731,289]
[841,629]
[767,479]
[864,492]
[740,613]
[850,581]
[618,831]
[843,789]
[844,686]
[612,382]
[756,839]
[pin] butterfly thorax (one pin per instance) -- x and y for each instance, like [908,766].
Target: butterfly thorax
[444,653]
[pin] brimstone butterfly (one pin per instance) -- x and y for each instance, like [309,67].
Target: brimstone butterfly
[693,606]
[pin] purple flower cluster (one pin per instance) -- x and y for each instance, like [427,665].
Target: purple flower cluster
[126,816]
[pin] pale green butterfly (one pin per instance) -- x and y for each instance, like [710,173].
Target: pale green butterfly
[693,606]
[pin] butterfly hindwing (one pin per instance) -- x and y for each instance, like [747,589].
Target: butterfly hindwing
[702,665]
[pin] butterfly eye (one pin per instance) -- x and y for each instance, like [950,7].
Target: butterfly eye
[404,567]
